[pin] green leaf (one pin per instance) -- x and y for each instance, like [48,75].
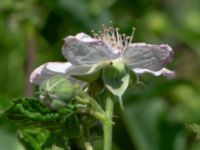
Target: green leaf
[33,138]
[56,142]
[37,122]
[148,126]
[142,122]
[71,127]
[31,112]
[116,79]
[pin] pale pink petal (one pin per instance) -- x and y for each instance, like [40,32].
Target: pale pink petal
[84,50]
[147,56]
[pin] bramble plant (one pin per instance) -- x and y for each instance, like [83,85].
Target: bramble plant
[79,95]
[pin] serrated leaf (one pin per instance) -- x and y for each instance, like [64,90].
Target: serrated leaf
[37,122]
[70,129]
[56,141]
[116,79]
[29,112]
[33,138]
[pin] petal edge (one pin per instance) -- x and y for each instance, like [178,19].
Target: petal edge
[164,71]
[48,70]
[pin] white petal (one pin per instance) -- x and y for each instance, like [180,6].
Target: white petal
[165,72]
[58,67]
[84,50]
[50,69]
[37,72]
[147,56]
[85,38]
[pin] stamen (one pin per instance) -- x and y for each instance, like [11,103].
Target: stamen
[126,42]
[133,31]
[112,37]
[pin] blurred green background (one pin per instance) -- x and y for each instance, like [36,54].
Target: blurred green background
[156,118]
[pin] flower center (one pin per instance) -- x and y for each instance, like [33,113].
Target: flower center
[112,37]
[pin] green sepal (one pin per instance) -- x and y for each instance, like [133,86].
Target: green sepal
[133,77]
[93,74]
[116,79]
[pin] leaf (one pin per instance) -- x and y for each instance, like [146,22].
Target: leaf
[56,142]
[37,122]
[33,138]
[71,127]
[116,79]
[142,121]
[31,112]
[149,128]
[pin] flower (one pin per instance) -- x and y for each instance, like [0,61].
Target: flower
[83,51]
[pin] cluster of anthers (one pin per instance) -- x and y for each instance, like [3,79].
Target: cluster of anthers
[111,36]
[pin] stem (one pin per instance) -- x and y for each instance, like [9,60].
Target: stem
[87,99]
[107,124]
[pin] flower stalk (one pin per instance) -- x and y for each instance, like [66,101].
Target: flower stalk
[107,124]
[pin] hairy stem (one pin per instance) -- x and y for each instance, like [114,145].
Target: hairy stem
[107,124]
